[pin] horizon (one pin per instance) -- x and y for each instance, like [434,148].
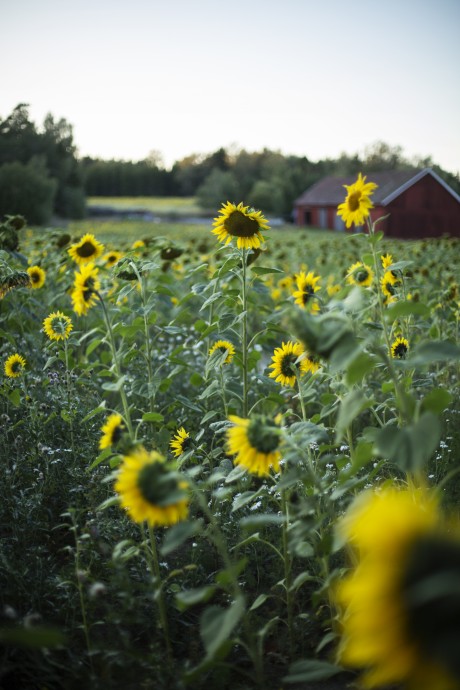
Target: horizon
[181,80]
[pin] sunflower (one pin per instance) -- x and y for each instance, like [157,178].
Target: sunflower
[112,431]
[149,490]
[87,250]
[57,326]
[255,442]
[37,276]
[400,604]
[388,283]
[180,442]
[14,366]
[360,274]
[399,347]
[112,258]
[14,280]
[138,244]
[306,288]
[85,287]
[285,369]
[241,222]
[386,260]
[355,208]
[223,346]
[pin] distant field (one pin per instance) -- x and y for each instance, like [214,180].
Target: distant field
[180,206]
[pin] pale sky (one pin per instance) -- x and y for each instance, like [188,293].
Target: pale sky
[310,78]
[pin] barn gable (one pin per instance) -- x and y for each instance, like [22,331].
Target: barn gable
[418,202]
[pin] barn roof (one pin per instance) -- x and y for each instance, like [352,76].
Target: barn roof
[330,192]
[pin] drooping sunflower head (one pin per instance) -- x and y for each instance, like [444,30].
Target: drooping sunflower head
[180,443]
[14,366]
[241,222]
[399,348]
[112,258]
[223,347]
[255,443]
[360,274]
[87,250]
[285,366]
[399,615]
[304,296]
[16,279]
[57,326]
[37,276]
[150,490]
[112,431]
[355,208]
[85,288]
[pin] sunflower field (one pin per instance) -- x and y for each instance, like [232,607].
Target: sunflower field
[229,457]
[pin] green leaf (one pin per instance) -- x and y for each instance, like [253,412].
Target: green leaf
[263,271]
[408,308]
[94,412]
[306,670]
[154,417]
[261,599]
[359,367]
[244,498]
[436,401]
[410,447]
[15,397]
[107,452]
[92,346]
[217,624]
[178,534]
[261,520]
[116,386]
[191,597]
[434,351]
[37,637]
[351,406]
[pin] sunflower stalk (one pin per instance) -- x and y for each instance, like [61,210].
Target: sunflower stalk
[152,553]
[244,334]
[287,561]
[116,364]
[69,396]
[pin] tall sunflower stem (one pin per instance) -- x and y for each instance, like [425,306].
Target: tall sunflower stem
[69,391]
[244,335]
[159,594]
[288,573]
[116,364]
[302,402]
[78,577]
[147,347]
[222,391]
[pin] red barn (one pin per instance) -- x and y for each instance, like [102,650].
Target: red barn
[418,204]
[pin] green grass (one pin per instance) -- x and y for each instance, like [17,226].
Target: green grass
[180,206]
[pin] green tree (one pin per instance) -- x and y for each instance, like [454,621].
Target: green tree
[26,190]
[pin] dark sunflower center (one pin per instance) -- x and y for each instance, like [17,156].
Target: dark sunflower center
[112,258]
[185,443]
[117,433]
[262,435]
[389,288]
[308,293]
[86,250]
[353,201]
[15,367]
[287,365]
[400,350]
[88,289]
[239,225]
[158,486]
[35,277]
[362,275]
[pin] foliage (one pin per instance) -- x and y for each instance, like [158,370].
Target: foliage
[26,190]
[239,594]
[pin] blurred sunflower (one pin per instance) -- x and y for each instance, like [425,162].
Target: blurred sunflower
[16,279]
[241,222]
[360,274]
[306,288]
[112,431]
[85,287]
[57,326]
[255,443]
[112,258]
[180,442]
[149,490]
[138,244]
[400,605]
[223,346]
[386,260]
[87,250]
[285,369]
[37,276]
[14,366]
[388,283]
[399,347]
[355,208]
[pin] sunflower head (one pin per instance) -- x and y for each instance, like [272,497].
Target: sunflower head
[400,348]
[86,285]
[304,296]
[285,366]
[355,208]
[14,366]
[150,490]
[255,443]
[112,431]
[37,276]
[241,222]
[57,326]
[87,250]
[14,280]
[180,443]
[223,347]
[112,258]
[399,613]
[360,274]
[386,260]
[389,283]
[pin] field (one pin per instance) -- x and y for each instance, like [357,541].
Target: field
[185,424]
[163,206]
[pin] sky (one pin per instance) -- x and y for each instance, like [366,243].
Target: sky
[305,77]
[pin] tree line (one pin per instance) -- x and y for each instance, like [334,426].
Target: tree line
[41,174]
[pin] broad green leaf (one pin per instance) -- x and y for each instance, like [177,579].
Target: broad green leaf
[351,406]
[36,637]
[154,417]
[14,397]
[408,308]
[217,624]
[436,401]
[306,670]
[262,270]
[358,368]
[178,534]
[434,351]
[191,597]
[106,453]
[410,447]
